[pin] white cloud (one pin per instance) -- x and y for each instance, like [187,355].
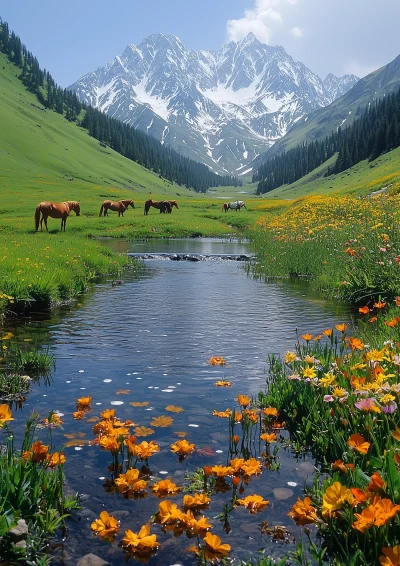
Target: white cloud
[297,32]
[259,20]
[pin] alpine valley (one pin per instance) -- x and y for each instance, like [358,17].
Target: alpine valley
[220,108]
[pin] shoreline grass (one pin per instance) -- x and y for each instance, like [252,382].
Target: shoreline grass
[347,247]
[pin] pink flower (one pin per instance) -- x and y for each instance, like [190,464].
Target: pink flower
[328,398]
[390,407]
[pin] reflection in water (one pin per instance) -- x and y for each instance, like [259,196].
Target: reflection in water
[151,338]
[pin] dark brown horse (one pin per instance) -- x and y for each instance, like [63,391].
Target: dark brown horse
[164,206]
[119,206]
[55,210]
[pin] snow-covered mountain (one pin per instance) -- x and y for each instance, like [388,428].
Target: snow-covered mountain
[221,108]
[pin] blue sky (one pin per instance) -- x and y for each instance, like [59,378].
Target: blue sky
[75,37]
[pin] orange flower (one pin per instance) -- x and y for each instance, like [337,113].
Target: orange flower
[56,459]
[165,486]
[213,543]
[306,337]
[129,443]
[385,511]
[223,383]
[5,414]
[327,332]
[236,465]
[251,415]
[380,305]
[162,421]
[145,449]
[251,467]
[244,400]
[303,513]
[391,554]
[110,443]
[373,319]
[140,543]
[217,361]
[268,437]
[392,323]
[169,513]
[365,519]
[197,526]
[130,483]
[363,310]
[341,327]
[108,414]
[84,401]
[376,482]
[196,500]
[355,343]
[235,439]
[339,465]
[221,471]
[106,526]
[182,447]
[357,442]
[37,453]
[254,503]
[222,414]
[270,412]
[360,496]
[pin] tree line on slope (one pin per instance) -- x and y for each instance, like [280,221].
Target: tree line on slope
[124,139]
[376,131]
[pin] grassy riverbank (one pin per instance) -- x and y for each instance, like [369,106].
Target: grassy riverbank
[348,247]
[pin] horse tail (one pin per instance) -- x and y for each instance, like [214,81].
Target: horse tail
[101,210]
[37,217]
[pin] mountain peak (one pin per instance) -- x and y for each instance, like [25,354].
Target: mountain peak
[222,108]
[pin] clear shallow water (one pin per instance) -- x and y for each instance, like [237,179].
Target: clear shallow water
[151,336]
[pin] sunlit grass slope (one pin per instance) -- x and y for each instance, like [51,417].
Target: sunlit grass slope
[359,180]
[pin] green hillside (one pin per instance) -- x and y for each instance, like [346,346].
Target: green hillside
[40,150]
[360,180]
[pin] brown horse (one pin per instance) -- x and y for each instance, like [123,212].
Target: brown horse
[164,206]
[55,210]
[173,203]
[119,206]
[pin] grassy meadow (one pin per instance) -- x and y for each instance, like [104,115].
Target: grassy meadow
[337,392]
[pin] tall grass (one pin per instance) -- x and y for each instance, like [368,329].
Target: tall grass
[42,270]
[349,248]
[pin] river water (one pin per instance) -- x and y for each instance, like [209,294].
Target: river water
[148,338]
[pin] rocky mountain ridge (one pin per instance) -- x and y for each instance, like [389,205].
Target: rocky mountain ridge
[222,108]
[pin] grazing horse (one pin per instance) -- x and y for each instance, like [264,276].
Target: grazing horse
[119,206]
[55,210]
[164,206]
[173,203]
[237,205]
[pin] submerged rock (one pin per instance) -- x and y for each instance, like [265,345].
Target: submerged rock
[91,560]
